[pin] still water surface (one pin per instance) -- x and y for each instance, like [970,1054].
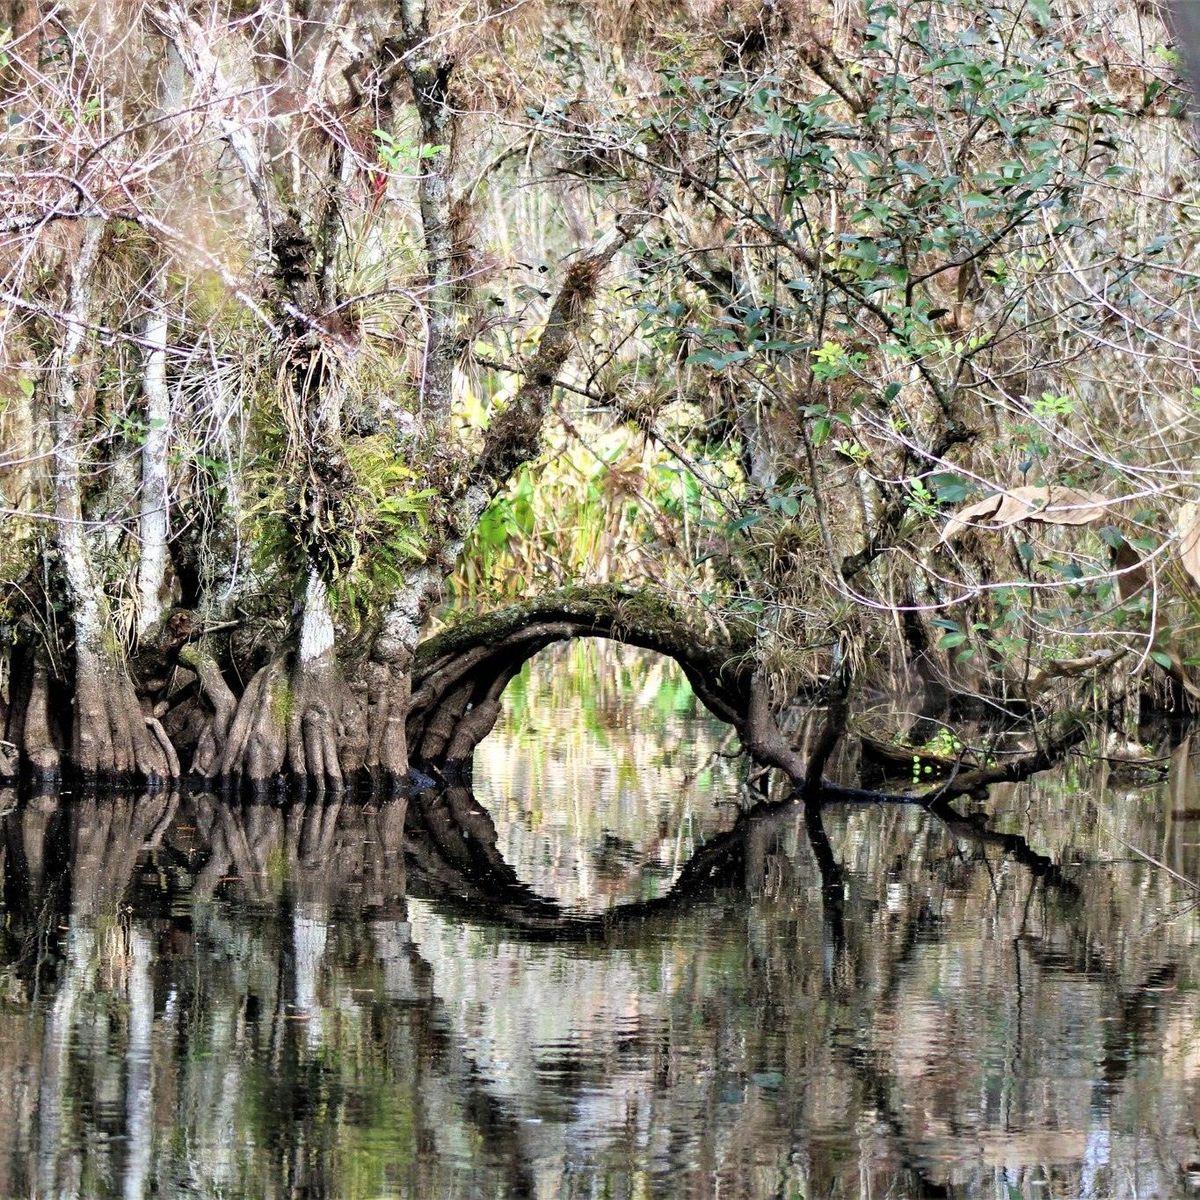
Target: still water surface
[593,978]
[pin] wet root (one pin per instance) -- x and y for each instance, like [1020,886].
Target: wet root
[38,748]
[113,738]
[206,758]
[305,720]
[389,698]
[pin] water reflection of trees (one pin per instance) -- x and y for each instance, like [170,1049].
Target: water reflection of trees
[236,1008]
[827,955]
[266,1000]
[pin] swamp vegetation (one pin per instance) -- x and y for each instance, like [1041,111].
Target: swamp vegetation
[354,353]
[463,463]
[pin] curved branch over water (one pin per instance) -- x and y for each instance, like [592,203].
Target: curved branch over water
[460,674]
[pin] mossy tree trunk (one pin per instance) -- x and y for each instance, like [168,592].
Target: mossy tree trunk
[297,716]
[514,438]
[459,675]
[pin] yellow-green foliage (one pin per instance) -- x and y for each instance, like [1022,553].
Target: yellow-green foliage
[608,506]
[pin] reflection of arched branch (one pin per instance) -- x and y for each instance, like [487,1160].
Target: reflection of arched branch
[452,846]
[974,828]
[454,859]
[731,860]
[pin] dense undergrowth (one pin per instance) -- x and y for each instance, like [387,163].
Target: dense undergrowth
[832,349]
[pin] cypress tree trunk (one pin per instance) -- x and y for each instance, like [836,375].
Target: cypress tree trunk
[110,737]
[152,522]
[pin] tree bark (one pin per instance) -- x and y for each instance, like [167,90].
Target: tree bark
[513,438]
[38,748]
[152,522]
[429,74]
[110,737]
[458,677]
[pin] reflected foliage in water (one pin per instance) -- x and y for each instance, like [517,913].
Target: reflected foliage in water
[605,772]
[362,1000]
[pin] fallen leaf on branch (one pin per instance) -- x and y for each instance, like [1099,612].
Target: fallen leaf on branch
[1187,526]
[1059,505]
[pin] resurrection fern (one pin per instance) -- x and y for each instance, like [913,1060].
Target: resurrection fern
[391,513]
[359,518]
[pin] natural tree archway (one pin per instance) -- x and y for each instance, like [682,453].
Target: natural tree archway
[461,674]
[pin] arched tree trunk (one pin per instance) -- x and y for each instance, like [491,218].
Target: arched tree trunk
[459,676]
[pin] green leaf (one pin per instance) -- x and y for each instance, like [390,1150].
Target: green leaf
[951,488]
[862,161]
[717,359]
[750,519]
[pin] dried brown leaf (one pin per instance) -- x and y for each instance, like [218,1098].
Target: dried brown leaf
[1058,505]
[966,517]
[1187,526]
[1065,506]
[1133,575]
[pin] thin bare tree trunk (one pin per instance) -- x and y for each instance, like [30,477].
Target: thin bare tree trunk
[430,77]
[110,735]
[152,523]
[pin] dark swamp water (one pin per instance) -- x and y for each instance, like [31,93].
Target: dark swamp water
[593,979]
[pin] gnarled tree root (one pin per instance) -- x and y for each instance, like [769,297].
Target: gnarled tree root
[301,719]
[206,757]
[389,698]
[112,739]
